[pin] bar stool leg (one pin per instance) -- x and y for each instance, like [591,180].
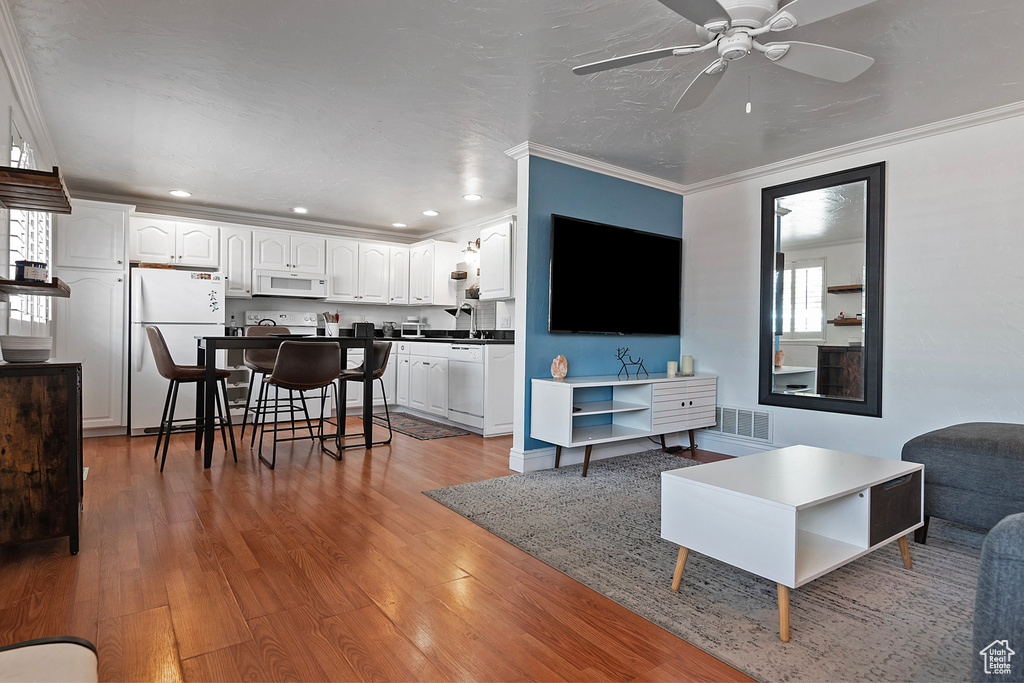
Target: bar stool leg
[227,417]
[260,403]
[305,409]
[248,401]
[220,418]
[163,419]
[387,413]
[170,421]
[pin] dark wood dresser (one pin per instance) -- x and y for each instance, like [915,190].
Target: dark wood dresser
[841,371]
[40,451]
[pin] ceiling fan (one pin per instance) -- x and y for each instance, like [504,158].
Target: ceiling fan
[732,27]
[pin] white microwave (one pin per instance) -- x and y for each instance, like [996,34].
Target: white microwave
[287,283]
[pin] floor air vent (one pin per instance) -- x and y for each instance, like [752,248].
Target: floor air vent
[755,425]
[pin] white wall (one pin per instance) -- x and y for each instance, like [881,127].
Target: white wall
[953,337]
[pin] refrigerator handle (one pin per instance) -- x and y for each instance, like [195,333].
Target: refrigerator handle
[137,345]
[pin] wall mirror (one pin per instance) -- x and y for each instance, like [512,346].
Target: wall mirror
[821,292]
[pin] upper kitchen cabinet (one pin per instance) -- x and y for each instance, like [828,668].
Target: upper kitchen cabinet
[159,240]
[398,277]
[357,271]
[496,249]
[430,267]
[236,261]
[92,237]
[296,253]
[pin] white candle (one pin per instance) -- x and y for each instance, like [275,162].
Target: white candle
[687,366]
[673,368]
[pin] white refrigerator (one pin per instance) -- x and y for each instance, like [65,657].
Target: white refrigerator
[184,304]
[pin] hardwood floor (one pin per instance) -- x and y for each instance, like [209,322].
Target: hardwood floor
[318,571]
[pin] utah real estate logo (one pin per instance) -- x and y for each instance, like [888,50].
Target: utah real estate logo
[997,656]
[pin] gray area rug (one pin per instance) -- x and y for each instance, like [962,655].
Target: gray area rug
[869,620]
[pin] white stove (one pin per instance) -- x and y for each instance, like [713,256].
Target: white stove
[297,323]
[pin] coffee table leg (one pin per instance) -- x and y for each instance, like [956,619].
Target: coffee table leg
[783,613]
[905,552]
[680,563]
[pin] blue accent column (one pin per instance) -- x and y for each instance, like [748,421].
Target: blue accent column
[571,191]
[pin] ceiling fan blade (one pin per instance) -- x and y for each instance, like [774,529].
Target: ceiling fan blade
[803,12]
[700,12]
[822,61]
[626,60]
[700,89]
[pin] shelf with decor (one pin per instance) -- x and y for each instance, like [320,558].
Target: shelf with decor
[23,189]
[24,287]
[841,322]
[845,289]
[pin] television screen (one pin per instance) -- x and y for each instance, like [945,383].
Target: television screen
[613,280]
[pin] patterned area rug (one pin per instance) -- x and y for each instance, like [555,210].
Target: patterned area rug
[869,620]
[417,427]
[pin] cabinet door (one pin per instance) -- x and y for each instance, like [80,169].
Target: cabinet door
[342,269]
[353,390]
[197,245]
[419,381]
[496,261]
[151,240]
[236,262]
[270,251]
[421,274]
[499,371]
[91,328]
[91,237]
[308,254]
[398,287]
[402,391]
[373,273]
[437,387]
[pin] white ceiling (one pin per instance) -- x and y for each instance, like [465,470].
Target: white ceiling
[369,111]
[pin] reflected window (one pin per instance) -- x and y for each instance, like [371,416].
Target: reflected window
[803,312]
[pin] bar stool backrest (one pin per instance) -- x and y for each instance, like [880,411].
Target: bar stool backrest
[306,365]
[264,357]
[165,365]
[381,353]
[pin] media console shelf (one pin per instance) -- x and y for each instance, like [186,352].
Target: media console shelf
[585,411]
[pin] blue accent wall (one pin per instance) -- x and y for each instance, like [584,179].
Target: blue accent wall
[570,191]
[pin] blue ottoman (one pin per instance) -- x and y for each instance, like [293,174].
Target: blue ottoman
[973,473]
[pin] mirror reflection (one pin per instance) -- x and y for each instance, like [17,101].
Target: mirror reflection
[820,293]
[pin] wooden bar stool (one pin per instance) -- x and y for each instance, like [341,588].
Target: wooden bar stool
[381,354]
[183,374]
[300,367]
[260,362]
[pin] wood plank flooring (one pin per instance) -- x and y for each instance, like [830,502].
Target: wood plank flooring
[318,571]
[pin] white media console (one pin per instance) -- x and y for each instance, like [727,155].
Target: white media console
[585,411]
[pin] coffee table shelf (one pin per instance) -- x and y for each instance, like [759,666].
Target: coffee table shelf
[606,407]
[606,432]
[817,555]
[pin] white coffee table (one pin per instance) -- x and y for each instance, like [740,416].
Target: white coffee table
[791,515]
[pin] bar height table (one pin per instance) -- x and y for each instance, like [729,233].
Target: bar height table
[206,392]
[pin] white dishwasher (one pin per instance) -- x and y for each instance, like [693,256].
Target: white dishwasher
[466,384]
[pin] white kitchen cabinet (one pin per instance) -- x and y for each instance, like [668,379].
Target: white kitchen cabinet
[430,266]
[93,236]
[91,328]
[499,373]
[354,390]
[159,240]
[342,269]
[402,381]
[428,377]
[236,261]
[496,249]
[398,275]
[373,273]
[437,387]
[297,253]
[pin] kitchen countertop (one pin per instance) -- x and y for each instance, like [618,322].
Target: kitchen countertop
[453,340]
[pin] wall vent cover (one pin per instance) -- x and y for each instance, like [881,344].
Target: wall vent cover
[745,423]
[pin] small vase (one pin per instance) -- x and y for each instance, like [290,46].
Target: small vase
[780,356]
[559,367]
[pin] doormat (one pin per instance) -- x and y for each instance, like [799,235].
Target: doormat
[868,620]
[417,427]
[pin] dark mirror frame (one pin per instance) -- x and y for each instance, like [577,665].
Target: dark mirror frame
[871,404]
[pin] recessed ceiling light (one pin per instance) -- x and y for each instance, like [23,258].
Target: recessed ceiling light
[181,193]
[430,212]
[472,197]
[300,209]
[399,225]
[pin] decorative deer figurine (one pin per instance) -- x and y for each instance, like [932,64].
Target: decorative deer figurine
[623,356]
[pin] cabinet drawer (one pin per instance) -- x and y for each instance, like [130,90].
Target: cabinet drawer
[895,506]
[437,350]
[687,402]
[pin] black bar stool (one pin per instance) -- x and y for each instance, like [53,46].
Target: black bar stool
[300,366]
[182,374]
[381,354]
[260,362]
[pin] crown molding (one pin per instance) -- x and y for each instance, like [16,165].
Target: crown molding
[475,223]
[245,218]
[1008,111]
[21,82]
[587,164]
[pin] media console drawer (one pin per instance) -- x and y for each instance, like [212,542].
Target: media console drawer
[895,506]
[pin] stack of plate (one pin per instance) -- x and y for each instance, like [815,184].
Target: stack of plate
[19,349]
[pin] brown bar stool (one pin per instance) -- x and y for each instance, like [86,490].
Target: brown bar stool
[381,354]
[300,366]
[182,374]
[260,362]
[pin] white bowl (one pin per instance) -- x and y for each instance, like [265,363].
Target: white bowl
[22,349]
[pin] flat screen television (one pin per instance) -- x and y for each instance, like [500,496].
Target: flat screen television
[613,280]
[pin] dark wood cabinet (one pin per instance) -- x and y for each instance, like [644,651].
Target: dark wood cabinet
[40,451]
[841,371]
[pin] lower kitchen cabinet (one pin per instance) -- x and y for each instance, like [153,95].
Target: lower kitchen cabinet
[499,378]
[428,384]
[41,467]
[354,390]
